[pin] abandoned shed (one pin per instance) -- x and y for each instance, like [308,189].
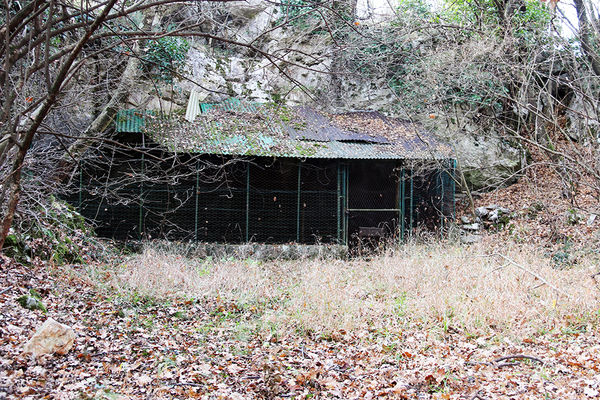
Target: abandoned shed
[244,172]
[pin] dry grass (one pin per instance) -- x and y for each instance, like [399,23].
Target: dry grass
[443,286]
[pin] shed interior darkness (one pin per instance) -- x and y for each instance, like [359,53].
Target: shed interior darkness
[135,195]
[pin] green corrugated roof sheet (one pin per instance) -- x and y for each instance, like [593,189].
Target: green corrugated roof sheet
[131,120]
[231,104]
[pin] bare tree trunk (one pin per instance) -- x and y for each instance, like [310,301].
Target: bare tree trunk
[106,116]
[345,9]
[587,36]
[14,180]
[95,130]
[14,188]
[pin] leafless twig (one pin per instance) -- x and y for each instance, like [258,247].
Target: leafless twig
[535,274]
[499,364]
[516,356]
[593,276]
[478,396]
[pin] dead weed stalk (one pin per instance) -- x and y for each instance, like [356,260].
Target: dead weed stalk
[450,287]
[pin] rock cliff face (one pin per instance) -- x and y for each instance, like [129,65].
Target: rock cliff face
[284,64]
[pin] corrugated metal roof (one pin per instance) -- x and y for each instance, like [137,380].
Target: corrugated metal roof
[345,150]
[231,104]
[239,128]
[131,120]
[263,145]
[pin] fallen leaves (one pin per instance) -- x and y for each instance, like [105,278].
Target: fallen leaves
[563,223]
[150,351]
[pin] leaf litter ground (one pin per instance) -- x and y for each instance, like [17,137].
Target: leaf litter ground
[144,349]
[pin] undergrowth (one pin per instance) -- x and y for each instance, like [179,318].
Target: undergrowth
[443,287]
[58,234]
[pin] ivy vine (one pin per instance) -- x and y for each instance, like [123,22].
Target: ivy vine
[165,57]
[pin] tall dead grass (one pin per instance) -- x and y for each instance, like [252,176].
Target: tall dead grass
[449,287]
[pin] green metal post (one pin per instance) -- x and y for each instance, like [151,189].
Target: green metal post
[339,203]
[247,202]
[410,225]
[298,203]
[402,210]
[197,201]
[141,219]
[345,190]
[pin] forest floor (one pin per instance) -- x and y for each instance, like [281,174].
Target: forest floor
[513,317]
[498,333]
[554,213]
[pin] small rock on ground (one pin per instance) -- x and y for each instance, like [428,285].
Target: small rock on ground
[51,337]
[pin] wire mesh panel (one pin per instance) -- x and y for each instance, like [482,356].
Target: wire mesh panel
[267,200]
[372,185]
[273,201]
[448,191]
[263,200]
[109,200]
[319,214]
[221,215]
[117,219]
[429,196]
[425,201]
[168,210]
[373,203]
